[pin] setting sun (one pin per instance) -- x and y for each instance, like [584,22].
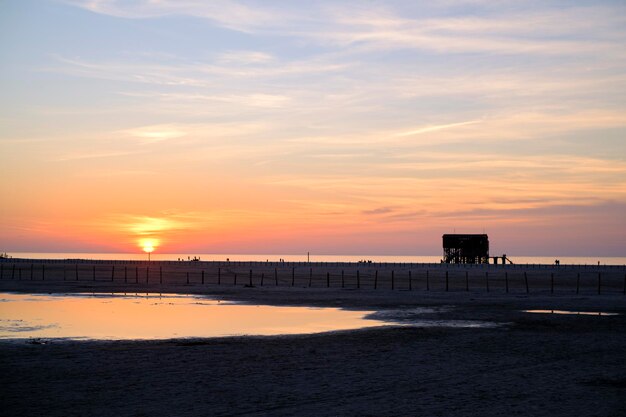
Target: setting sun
[148,245]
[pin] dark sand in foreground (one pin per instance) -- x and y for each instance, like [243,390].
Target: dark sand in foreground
[532,365]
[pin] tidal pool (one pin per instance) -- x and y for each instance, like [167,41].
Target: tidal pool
[161,316]
[580,313]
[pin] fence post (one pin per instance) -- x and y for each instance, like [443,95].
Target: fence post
[487,280]
[526,282]
[506,281]
[447,281]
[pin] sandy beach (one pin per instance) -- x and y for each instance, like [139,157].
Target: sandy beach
[530,364]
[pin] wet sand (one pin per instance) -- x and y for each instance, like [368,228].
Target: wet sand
[532,364]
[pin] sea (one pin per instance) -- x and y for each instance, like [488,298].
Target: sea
[545,260]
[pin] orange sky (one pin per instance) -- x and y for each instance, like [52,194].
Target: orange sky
[368,130]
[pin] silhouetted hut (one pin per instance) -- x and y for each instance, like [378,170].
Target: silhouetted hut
[465,249]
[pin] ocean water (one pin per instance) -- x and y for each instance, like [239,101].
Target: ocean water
[155,256]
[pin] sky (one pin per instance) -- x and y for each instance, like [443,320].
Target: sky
[336,127]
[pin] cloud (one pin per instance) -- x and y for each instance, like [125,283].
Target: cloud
[426,129]
[379,210]
[156,133]
[229,14]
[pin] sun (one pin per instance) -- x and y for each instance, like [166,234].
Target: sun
[148,245]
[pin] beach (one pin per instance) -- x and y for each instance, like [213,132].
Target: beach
[520,364]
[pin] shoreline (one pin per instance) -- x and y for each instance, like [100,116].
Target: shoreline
[532,365]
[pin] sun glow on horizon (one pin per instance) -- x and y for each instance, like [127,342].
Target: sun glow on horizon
[148,245]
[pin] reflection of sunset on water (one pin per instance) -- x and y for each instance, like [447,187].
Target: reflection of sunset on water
[161,317]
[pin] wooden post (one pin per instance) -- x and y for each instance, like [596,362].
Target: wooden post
[447,281]
[327,279]
[599,282]
[276,276]
[112,272]
[343,283]
[161,275]
[427,281]
[376,280]
[466,281]
[551,282]
[93,272]
[506,281]
[358,279]
[526,281]
[410,281]
[393,280]
[310,276]
[487,279]
[125,275]
[219,276]
[293,276]
[203,277]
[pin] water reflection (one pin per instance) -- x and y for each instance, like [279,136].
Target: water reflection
[160,316]
[580,313]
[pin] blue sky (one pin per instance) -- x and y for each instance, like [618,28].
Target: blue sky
[367,126]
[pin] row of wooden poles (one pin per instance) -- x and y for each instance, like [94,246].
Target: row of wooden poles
[135,277]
